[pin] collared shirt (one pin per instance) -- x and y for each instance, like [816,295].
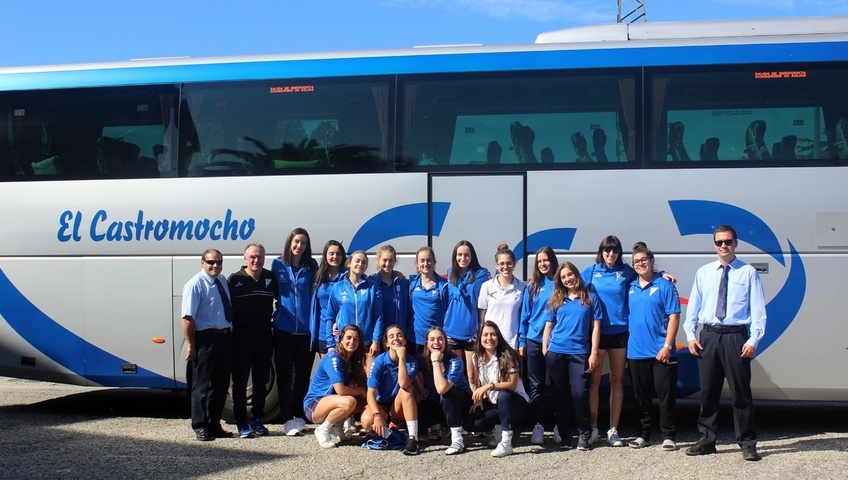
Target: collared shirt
[503,306]
[330,371]
[384,375]
[650,307]
[203,303]
[745,300]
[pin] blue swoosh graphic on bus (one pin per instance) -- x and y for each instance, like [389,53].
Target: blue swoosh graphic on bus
[696,217]
[401,221]
[64,347]
[703,216]
[556,238]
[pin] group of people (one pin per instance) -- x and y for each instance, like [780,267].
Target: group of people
[427,350]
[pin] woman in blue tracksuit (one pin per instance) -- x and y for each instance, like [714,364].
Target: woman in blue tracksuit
[465,277]
[428,297]
[330,271]
[295,274]
[570,345]
[356,300]
[394,290]
[533,314]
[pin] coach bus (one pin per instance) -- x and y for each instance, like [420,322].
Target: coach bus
[115,177]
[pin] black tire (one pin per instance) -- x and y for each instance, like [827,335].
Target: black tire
[272,400]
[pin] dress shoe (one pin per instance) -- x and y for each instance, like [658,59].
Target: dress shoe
[218,432]
[700,449]
[203,435]
[750,454]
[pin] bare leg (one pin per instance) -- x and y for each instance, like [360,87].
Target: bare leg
[617,359]
[594,385]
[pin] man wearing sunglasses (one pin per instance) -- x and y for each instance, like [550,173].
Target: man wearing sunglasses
[727,302]
[207,319]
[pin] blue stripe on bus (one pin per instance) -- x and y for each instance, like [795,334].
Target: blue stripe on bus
[401,221]
[556,238]
[629,56]
[67,348]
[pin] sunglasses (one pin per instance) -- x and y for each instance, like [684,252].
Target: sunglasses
[213,262]
[611,250]
[726,243]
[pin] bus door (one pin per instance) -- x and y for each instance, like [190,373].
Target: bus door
[486,210]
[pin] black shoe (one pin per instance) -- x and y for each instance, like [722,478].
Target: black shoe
[218,432]
[203,435]
[750,454]
[700,449]
[411,447]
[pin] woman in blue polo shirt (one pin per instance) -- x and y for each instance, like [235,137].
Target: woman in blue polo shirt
[534,309]
[465,277]
[448,394]
[293,353]
[338,389]
[391,390]
[570,345]
[654,318]
[394,291]
[428,296]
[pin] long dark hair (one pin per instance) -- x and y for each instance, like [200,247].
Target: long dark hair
[537,279]
[356,362]
[503,351]
[447,353]
[560,292]
[610,241]
[306,260]
[472,267]
[322,275]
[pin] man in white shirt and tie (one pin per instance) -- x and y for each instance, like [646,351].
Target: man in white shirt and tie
[727,302]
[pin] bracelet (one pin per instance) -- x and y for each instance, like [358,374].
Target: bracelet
[378,414]
[493,387]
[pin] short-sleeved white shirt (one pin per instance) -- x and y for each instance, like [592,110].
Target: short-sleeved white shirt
[489,372]
[503,306]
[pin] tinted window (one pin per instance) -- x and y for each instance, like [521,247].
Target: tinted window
[286,127]
[538,119]
[766,115]
[87,133]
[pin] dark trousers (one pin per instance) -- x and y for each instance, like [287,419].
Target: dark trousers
[293,359]
[570,383]
[251,354]
[648,376]
[451,408]
[510,409]
[210,377]
[719,359]
[537,372]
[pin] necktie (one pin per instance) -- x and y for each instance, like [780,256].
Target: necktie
[228,308]
[721,303]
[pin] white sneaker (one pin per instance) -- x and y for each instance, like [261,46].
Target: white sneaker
[538,436]
[495,438]
[299,423]
[290,428]
[557,436]
[455,448]
[325,439]
[338,433]
[350,427]
[613,438]
[502,450]
[593,437]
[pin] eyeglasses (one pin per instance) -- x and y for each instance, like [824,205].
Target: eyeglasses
[506,264]
[610,250]
[213,262]
[641,261]
[726,243]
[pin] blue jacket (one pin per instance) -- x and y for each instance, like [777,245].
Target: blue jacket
[461,319]
[320,298]
[428,307]
[395,302]
[360,304]
[534,312]
[294,301]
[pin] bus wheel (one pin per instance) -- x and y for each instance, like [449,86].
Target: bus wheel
[272,400]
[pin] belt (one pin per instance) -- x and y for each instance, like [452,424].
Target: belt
[223,331]
[710,327]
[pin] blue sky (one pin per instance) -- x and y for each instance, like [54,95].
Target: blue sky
[36,32]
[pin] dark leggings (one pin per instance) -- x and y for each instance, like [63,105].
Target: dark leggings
[570,383]
[511,408]
[451,408]
[536,374]
[292,355]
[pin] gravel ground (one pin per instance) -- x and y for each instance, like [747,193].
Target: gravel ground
[61,431]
